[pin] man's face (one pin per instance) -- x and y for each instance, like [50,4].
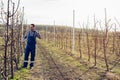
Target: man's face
[32,28]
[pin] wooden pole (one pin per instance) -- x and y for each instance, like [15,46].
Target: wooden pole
[73,45]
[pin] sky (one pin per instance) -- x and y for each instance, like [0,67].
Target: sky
[61,11]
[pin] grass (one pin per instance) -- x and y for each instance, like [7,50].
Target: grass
[74,61]
[116,70]
[69,63]
[21,74]
[1,40]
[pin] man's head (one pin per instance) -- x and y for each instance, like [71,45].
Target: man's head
[32,27]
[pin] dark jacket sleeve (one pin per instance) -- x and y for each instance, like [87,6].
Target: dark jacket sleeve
[38,35]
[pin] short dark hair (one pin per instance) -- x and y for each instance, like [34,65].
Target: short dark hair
[33,25]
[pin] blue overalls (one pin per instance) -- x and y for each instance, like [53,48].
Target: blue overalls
[30,47]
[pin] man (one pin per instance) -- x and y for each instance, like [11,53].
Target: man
[31,45]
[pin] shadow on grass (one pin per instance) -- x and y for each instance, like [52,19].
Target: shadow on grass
[115,64]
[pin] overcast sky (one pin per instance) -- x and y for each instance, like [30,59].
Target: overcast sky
[46,11]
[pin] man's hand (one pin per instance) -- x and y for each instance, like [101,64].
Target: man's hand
[22,41]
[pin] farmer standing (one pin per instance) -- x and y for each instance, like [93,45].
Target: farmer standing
[31,45]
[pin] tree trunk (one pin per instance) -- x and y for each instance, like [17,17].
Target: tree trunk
[88,47]
[79,43]
[104,51]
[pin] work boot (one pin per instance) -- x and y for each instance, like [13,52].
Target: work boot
[31,68]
